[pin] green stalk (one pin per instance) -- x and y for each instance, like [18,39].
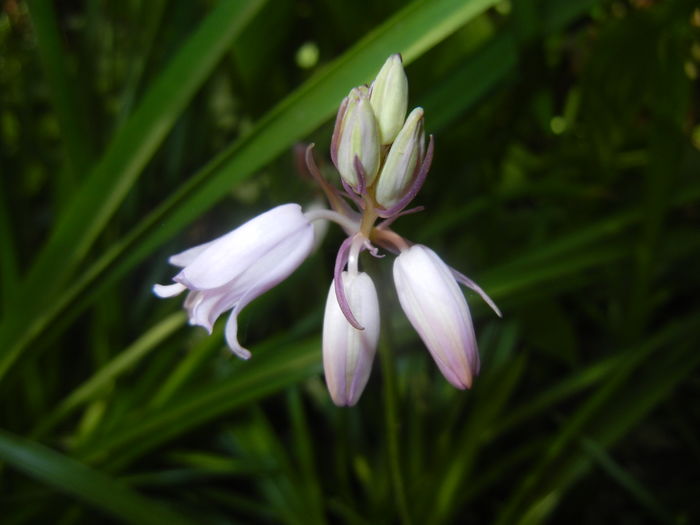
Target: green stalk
[392,427]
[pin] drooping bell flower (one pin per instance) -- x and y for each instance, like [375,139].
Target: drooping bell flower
[430,297]
[348,352]
[229,272]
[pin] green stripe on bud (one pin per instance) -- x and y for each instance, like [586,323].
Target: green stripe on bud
[402,162]
[389,98]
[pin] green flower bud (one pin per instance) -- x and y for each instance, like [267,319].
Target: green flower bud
[402,162]
[389,98]
[356,136]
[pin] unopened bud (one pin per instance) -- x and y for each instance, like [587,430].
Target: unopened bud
[356,136]
[348,353]
[402,162]
[431,299]
[389,98]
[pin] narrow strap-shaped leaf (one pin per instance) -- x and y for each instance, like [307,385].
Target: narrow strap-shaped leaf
[65,89]
[113,369]
[602,401]
[135,143]
[626,480]
[9,271]
[76,479]
[269,372]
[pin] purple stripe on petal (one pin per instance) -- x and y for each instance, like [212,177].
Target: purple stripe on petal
[361,176]
[335,140]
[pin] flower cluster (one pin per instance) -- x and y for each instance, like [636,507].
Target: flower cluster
[383,160]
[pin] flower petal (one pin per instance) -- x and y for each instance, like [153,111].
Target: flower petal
[168,290]
[232,336]
[269,271]
[348,353]
[230,255]
[188,256]
[435,306]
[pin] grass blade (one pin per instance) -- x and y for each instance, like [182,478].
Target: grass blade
[269,372]
[117,366]
[90,486]
[65,89]
[106,186]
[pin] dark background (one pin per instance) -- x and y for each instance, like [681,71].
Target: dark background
[565,182]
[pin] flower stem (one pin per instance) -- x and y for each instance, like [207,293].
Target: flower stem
[349,225]
[368,218]
[354,255]
[392,429]
[383,237]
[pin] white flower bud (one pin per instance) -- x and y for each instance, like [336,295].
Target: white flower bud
[434,304]
[402,162]
[389,98]
[348,352]
[356,136]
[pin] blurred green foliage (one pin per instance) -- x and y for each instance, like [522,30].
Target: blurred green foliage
[565,181]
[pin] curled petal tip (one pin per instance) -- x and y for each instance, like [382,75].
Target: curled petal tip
[344,306]
[231,334]
[169,290]
[242,353]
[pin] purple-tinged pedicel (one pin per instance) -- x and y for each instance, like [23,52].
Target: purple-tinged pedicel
[340,262]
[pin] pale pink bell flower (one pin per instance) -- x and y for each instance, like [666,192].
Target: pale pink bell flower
[229,272]
[348,353]
[431,299]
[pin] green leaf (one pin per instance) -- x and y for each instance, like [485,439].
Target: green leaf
[271,370]
[610,410]
[631,484]
[9,273]
[65,89]
[134,145]
[76,479]
[98,198]
[118,365]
